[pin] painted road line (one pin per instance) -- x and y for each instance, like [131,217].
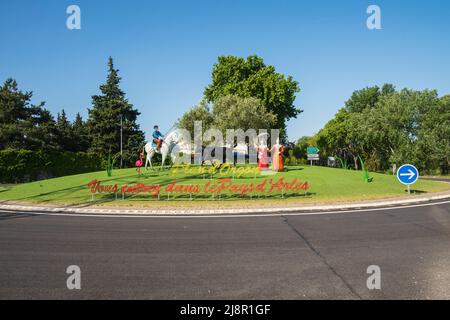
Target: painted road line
[243,215]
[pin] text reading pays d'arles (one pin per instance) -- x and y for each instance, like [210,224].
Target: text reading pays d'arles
[211,186]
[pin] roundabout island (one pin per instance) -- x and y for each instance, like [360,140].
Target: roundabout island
[225,189]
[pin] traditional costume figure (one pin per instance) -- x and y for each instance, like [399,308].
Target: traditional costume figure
[156,135]
[277,156]
[262,149]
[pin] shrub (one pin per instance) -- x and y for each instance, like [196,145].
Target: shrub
[25,165]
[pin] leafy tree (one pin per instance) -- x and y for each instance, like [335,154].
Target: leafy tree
[105,116]
[302,144]
[200,112]
[396,125]
[234,112]
[367,97]
[336,138]
[399,127]
[252,78]
[433,145]
[229,112]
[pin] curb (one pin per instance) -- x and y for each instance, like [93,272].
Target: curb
[231,211]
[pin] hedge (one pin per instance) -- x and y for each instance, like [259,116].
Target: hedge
[25,165]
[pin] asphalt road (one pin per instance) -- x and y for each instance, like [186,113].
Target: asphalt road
[287,257]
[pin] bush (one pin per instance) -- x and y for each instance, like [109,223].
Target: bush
[25,165]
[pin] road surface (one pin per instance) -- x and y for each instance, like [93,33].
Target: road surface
[282,257]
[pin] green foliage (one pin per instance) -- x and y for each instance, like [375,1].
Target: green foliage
[252,78]
[200,112]
[367,98]
[103,125]
[32,127]
[336,138]
[79,134]
[232,112]
[229,112]
[23,125]
[25,165]
[301,147]
[291,159]
[387,127]
[433,145]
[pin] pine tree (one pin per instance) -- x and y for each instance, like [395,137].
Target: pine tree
[108,109]
[80,134]
[44,134]
[14,115]
[22,124]
[65,134]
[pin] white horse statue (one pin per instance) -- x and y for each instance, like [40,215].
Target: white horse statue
[169,141]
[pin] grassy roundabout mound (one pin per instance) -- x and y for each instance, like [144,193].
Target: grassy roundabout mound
[188,187]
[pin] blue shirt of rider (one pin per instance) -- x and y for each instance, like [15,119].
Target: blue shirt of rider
[156,134]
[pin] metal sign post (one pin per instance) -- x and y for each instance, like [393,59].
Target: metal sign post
[313,154]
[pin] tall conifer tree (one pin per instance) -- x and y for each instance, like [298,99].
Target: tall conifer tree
[104,123]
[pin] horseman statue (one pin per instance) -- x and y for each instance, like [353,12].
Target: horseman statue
[160,144]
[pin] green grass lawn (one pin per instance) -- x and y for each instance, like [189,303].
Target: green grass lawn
[326,185]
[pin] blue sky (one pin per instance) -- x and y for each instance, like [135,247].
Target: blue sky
[165,50]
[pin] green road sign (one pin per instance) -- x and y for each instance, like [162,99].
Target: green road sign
[312,150]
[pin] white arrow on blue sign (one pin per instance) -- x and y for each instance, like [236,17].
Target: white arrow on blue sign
[407,174]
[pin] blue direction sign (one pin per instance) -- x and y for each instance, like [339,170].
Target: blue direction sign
[407,174]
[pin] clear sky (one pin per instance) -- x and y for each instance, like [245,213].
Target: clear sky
[165,50]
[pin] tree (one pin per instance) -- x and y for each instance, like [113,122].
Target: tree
[22,124]
[228,112]
[234,112]
[302,145]
[433,145]
[200,112]
[395,127]
[43,134]
[335,138]
[79,132]
[252,78]
[441,134]
[71,136]
[64,131]
[15,115]
[108,109]
[367,97]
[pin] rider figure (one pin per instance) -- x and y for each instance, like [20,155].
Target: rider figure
[156,137]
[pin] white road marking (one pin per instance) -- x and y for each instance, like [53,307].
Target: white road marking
[234,215]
